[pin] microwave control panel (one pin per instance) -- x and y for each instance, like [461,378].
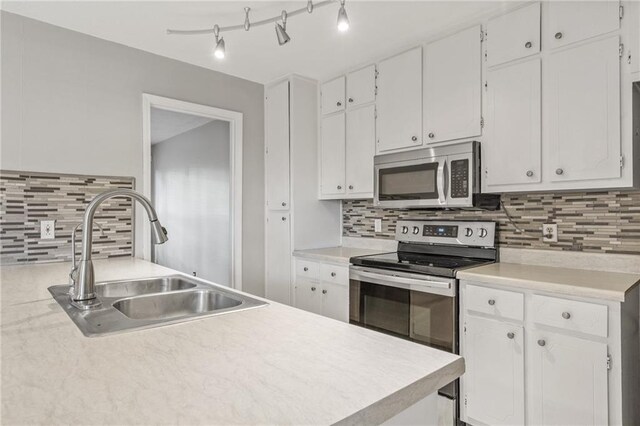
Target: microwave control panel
[460,178]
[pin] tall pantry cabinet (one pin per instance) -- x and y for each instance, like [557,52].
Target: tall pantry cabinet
[295,218]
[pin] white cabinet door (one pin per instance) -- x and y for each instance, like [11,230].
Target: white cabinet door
[512,148]
[307,295]
[332,156]
[569,380]
[571,21]
[452,87]
[582,112]
[361,147]
[494,379]
[399,102]
[513,35]
[361,86]
[278,257]
[332,93]
[277,146]
[335,301]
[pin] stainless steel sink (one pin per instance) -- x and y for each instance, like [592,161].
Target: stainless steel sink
[175,305]
[152,302]
[144,286]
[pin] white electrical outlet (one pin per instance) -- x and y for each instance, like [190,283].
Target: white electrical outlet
[550,233]
[47,229]
[377,225]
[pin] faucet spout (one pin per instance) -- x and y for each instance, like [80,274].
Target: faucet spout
[85,294]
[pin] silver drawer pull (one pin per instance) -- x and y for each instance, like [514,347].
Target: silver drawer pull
[313,289]
[305,269]
[528,45]
[333,274]
[541,342]
[324,291]
[491,302]
[511,335]
[566,315]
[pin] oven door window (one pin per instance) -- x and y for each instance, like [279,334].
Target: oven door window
[432,320]
[417,182]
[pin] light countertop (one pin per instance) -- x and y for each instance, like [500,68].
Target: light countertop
[269,365]
[340,254]
[575,282]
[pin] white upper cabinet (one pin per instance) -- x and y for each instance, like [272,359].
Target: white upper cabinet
[360,149]
[361,86]
[399,102]
[569,380]
[494,380]
[582,112]
[512,145]
[453,87]
[332,94]
[277,149]
[571,21]
[514,35]
[332,156]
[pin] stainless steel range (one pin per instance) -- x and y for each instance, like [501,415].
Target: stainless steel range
[413,293]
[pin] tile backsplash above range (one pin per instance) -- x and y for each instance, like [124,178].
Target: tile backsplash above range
[600,222]
[28,198]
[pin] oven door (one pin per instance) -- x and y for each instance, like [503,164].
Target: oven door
[415,307]
[415,183]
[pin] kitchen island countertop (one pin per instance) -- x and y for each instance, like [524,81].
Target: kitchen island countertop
[268,365]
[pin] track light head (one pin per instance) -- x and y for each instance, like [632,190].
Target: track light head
[343,19]
[219,50]
[281,30]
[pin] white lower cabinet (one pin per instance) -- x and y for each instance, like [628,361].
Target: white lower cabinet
[568,380]
[494,378]
[322,288]
[552,360]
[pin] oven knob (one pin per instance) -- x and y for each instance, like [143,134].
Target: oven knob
[416,230]
[483,232]
[468,232]
[405,229]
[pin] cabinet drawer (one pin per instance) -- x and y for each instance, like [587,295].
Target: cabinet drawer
[501,303]
[310,270]
[583,317]
[335,274]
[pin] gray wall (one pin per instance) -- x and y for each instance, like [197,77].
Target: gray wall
[72,103]
[191,193]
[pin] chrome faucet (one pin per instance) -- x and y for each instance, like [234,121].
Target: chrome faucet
[84,296]
[74,258]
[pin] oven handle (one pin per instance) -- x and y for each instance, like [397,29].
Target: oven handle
[395,279]
[442,196]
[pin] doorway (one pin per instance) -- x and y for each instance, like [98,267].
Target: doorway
[192,158]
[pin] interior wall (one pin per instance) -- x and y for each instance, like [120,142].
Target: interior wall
[72,103]
[191,194]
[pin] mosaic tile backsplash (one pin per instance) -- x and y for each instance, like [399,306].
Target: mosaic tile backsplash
[27,198]
[591,222]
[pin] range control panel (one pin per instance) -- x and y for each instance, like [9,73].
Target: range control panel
[461,233]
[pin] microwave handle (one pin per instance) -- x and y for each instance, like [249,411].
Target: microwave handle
[441,181]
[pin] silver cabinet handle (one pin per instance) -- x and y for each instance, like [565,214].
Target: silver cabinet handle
[541,342]
[414,138]
[333,274]
[284,204]
[431,135]
[350,186]
[511,335]
[529,173]
[305,269]
[284,218]
[339,187]
[528,45]
[566,315]
[350,99]
[558,35]
[338,103]
[324,291]
[491,302]
[313,289]
[559,172]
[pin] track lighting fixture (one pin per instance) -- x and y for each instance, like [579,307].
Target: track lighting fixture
[281,30]
[219,50]
[343,20]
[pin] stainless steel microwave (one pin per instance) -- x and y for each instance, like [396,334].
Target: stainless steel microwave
[438,177]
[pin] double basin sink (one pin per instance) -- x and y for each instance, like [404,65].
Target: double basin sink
[151,302]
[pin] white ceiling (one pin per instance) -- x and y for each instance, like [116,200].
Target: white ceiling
[316,50]
[167,124]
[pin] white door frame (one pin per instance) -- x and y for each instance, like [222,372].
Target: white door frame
[234,119]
